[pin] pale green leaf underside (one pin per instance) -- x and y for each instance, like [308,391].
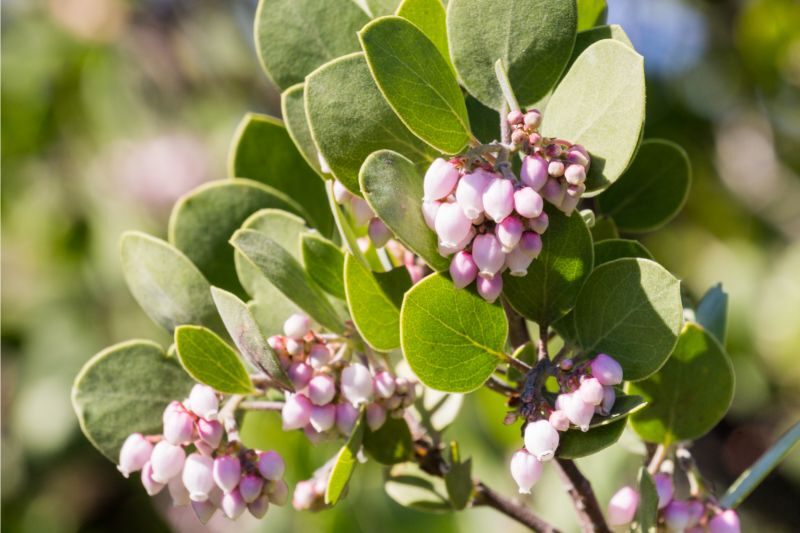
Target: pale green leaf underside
[345,464]
[293,110]
[210,360]
[324,262]
[712,312]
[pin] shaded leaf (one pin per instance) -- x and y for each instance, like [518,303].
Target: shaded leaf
[346,461]
[411,487]
[610,249]
[210,360]
[458,479]
[485,121]
[324,262]
[575,443]
[624,406]
[647,510]
[293,111]
[391,443]
[712,312]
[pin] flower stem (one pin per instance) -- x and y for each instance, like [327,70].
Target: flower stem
[256,405]
[511,508]
[505,85]
[583,498]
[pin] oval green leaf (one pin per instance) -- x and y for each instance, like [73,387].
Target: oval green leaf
[293,37]
[293,111]
[391,443]
[534,48]
[652,191]
[647,510]
[124,389]
[591,13]
[612,249]
[324,262]
[607,119]
[344,465]
[588,37]
[625,405]
[417,82]
[392,186]
[411,487]
[374,300]
[452,338]
[690,394]
[630,309]
[210,360]
[575,443]
[554,279]
[429,16]
[350,119]
[712,312]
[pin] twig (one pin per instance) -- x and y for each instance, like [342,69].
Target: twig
[658,457]
[498,386]
[227,418]
[511,508]
[522,366]
[257,405]
[580,490]
[517,329]
[544,335]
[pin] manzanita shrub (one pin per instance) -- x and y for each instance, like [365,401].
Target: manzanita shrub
[443,182]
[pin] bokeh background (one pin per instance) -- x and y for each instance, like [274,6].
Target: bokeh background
[111,109]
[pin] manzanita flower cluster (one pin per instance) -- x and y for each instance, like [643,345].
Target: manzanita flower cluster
[203,466]
[362,215]
[329,390]
[491,221]
[585,389]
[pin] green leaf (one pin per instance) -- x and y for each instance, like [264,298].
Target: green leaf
[263,151]
[603,229]
[293,37]
[391,444]
[458,479]
[690,394]
[712,312]
[591,13]
[612,249]
[452,338]
[624,406]
[575,443]
[288,276]
[345,464]
[374,300]
[293,111]
[630,309]
[587,38]
[410,486]
[607,119]
[554,279]
[124,389]
[527,353]
[429,16]
[324,262]
[417,82]
[379,8]
[647,511]
[652,191]
[534,39]
[392,186]
[165,283]
[246,334]
[203,221]
[485,121]
[346,231]
[209,360]
[350,119]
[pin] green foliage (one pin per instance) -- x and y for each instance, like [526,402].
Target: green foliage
[391,443]
[630,309]
[647,511]
[600,105]
[293,37]
[124,389]
[588,37]
[624,406]
[575,443]
[293,111]
[429,16]
[410,486]
[350,119]
[484,121]
[344,464]
[652,191]
[612,249]
[374,300]
[210,360]
[534,48]
[458,479]
[452,338]
[712,312]
[417,82]
[591,13]
[690,394]
[324,262]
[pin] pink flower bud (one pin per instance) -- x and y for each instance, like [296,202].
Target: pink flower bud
[452,225]
[575,157]
[725,522]
[498,200]
[346,417]
[321,389]
[271,465]
[540,223]
[447,249]
[300,374]
[553,191]
[566,364]
[210,431]
[696,511]
[568,204]
[579,412]
[204,510]
[178,427]
[232,504]
[531,244]
[575,174]
[227,470]
[534,139]
[541,439]
[167,461]
[606,369]
[319,356]
[197,476]
[133,455]
[609,398]
[323,417]
[259,506]
[440,179]
[526,470]
[555,169]
[296,412]
[203,401]
[376,416]
[379,234]
[304,495]
[356,384]
[528,202]
[250,487]
[488,255]
[508,232]
[676,515]
[591,391]
[577,149]
[575,191]
[340,193]
[361,211]
[515,117]
[559,420]
[518,261]
[151,486]
[470,191]
[178,492]
[294,346]
[278,493]
[664,488]
[383,384]
[533,119]
[490,288]
[429,210]
[622,507]
[296,326]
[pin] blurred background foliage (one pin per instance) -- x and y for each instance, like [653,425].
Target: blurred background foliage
[112,109]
